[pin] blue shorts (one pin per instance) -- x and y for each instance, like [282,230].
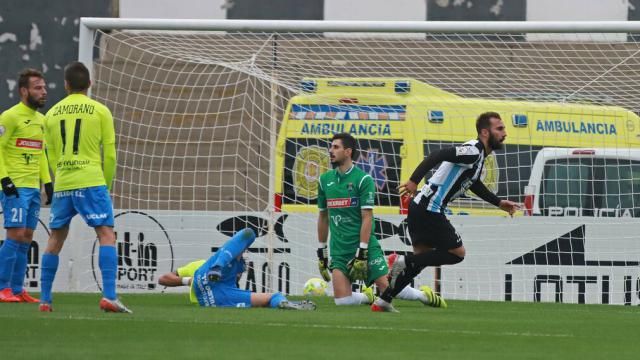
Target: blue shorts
[93,204]
[21,211]
[231,296]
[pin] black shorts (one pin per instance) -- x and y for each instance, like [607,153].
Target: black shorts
[431,229]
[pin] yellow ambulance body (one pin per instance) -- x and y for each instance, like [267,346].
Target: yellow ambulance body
[398,121]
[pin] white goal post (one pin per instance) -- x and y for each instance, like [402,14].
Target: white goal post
[223,124]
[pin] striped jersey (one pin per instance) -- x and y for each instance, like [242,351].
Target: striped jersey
[453,178]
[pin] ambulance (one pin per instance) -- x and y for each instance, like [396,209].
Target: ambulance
[592,182]
[398,121]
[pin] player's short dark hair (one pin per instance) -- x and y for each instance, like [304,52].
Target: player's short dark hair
[77,76]
[484,120]
[25,75]
[348,142]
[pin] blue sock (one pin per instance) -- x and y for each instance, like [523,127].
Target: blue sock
[234,247]
[108,263]
[276,299]
[7,260]
[47,274]
[19,268]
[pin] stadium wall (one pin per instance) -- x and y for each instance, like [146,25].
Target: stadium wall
[44,35]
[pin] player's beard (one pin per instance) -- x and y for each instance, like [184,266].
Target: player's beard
[35,103]
[494,143]
[336,163]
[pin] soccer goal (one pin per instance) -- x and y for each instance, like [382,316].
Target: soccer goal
[225,124]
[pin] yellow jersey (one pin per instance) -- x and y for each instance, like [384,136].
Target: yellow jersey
[21,147]
[76,130]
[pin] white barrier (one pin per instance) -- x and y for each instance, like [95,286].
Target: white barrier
[577,260]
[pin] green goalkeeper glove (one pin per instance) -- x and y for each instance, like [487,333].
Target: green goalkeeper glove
[358,266]
[323,262]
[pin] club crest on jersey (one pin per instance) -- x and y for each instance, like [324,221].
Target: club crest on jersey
[29,143]
[350,187]
[342,202]
[463,150]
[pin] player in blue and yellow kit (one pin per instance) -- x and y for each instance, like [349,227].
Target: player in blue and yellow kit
[76,130]
[23,167]
[213,282]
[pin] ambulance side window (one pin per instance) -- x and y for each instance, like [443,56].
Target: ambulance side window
[567,187]
[621,186]
[608,187]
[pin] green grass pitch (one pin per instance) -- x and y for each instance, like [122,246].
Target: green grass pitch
[166,327]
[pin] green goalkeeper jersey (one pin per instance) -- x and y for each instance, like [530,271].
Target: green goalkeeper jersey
[344,196]
[21,147]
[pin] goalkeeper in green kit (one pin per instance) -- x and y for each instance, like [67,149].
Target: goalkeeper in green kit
[346,197]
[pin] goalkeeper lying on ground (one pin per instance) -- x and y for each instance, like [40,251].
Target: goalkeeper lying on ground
[213,282]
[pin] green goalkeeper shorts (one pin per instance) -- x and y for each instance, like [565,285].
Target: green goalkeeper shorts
[377,264]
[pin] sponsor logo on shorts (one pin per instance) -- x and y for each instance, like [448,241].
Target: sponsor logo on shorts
[29,143]
[342,202]
[67,193]
[96,216]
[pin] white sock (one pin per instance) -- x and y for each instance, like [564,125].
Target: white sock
[409,293]
[361,298]
[355,299]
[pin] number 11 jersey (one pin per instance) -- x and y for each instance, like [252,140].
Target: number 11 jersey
[75,130]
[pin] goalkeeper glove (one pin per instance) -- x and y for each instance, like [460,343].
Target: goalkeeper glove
[323,262]
[48,190]
[358,266]
[8,187]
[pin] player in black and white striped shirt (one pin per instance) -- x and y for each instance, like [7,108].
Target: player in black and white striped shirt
[435,241]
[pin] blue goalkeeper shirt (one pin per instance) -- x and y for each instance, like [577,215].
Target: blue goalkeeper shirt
[203,289]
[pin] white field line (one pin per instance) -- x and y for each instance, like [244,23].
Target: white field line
[124,317]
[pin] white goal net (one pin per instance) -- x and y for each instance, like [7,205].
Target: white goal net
[219,130]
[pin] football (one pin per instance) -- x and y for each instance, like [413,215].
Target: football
[315,287]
